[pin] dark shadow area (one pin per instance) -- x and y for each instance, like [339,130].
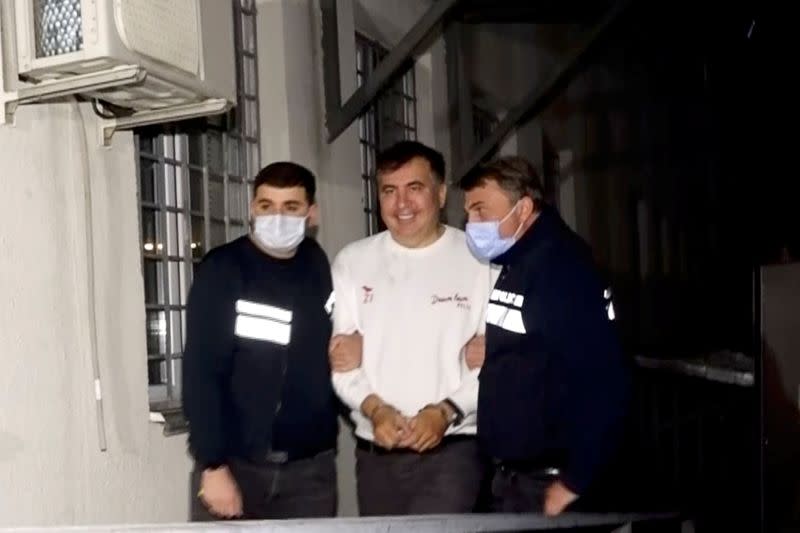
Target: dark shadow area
[680,160]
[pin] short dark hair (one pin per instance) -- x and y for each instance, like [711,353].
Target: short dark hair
[285,174]
[402,152]
[514,174]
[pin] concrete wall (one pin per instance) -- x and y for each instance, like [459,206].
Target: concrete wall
[52,471]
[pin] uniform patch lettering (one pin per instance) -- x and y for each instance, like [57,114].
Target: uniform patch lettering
[507,298]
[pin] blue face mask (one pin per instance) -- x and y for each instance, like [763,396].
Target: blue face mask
[484,240]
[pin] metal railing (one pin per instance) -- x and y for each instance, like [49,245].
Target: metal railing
[416,524]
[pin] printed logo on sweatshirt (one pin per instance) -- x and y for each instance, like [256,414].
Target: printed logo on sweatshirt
[368,293]
[462,302]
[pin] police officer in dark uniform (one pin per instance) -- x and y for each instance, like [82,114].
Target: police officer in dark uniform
[256,379]
[554,386]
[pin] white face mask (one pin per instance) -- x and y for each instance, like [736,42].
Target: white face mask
[280,233]
[484,239]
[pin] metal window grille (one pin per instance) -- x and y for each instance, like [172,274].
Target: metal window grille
[392,118]
[483,123]
[194,189]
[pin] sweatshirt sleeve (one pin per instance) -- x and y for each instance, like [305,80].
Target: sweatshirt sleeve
[595,374]
[210,317]
[352,386]
[466,396]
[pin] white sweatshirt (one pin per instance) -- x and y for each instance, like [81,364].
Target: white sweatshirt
[416,308]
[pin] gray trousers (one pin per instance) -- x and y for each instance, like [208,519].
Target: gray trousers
[443,480]
[299,489]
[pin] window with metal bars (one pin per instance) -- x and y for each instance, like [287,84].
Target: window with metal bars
[483,123]
[194,189]
[392,118]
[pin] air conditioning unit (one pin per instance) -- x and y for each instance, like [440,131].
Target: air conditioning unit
[158,60]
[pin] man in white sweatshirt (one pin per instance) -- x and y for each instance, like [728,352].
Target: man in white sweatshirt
[417,296]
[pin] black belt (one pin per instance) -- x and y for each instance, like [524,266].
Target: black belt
[279,457]
[369,446]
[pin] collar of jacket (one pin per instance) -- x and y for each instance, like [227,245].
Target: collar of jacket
[544,226]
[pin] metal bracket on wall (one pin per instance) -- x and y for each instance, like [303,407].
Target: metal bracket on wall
[173,420]
[212,106]
[80,83]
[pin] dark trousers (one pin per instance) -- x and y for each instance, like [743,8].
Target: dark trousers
[298,489]
[443,480]
[516,491]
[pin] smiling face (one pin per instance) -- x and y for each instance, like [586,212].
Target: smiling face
[411,199]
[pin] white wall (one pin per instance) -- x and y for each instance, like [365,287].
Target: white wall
[51,468]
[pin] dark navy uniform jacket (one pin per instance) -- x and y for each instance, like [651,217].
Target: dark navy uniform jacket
[256,376]
[554,387]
